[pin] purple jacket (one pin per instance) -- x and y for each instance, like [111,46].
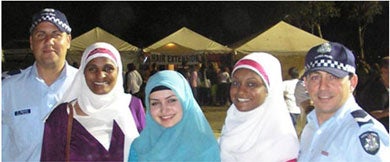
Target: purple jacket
[83,146]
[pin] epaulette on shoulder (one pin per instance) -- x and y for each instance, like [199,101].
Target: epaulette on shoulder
[10,73]
[361,117]
[14,72]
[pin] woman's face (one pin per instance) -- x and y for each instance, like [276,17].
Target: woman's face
[100,75]
[165,108]
[247,90]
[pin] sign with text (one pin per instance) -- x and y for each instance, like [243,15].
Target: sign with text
[171,59]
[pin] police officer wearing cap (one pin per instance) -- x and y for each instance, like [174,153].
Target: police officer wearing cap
[338,129]
[28,97]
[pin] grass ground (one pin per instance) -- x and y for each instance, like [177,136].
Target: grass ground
[216,117]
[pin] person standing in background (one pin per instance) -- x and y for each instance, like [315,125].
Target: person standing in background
[205,87]
[211,74]
[133,80]
[153,69]
[374,95]
[288,92]
[223,86]
[28,97]
[194,80]
[302,99]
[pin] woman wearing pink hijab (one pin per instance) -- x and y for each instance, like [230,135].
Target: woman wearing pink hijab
[258,126]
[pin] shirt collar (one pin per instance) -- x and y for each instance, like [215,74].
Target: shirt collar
[64,72]
[338,116]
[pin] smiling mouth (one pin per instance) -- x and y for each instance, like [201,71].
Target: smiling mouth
[242,99]
[324,97]
[100,83]
[167,117]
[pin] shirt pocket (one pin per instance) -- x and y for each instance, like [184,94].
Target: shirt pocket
[27,128]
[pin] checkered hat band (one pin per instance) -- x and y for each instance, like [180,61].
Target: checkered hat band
[51,19]
[330,64]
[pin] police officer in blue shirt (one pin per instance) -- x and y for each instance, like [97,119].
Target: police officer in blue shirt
[29,96]
[338,129]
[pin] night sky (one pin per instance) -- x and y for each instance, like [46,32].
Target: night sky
[143,23]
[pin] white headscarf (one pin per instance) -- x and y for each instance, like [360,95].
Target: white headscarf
[265,133]
[102,110]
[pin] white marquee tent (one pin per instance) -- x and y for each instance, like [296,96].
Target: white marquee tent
[184,44]
[187,39]
[286,42]
[129,53]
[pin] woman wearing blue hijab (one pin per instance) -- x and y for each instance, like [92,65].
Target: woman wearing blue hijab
[176,128]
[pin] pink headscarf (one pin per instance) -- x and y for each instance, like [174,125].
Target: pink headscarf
[102,110]
[265,133]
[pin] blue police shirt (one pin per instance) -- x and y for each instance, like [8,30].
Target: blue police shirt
[349,135]
[26,101]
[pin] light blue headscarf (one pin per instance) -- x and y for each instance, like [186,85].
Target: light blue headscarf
[189,140]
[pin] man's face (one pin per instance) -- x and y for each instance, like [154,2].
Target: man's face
[328,92]
[49,45]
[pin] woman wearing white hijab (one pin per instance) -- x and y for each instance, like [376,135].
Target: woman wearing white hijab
[258,126]
[95,120]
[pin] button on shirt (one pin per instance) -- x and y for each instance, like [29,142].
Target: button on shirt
[339,138]
[26,101]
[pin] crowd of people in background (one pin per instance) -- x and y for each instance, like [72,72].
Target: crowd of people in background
[206,80]
[52,111]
